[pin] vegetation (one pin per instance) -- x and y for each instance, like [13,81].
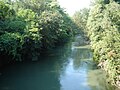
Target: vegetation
[80,19]
[29,26]
[102,26]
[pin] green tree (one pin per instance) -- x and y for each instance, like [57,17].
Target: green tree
[103,29]
[34,25]
[80,19]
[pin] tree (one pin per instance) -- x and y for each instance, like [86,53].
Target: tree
[80,19]
[103,30]
[34,25]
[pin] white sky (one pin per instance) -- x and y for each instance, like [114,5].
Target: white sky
[73,5]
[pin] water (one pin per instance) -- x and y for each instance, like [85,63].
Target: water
[67,68]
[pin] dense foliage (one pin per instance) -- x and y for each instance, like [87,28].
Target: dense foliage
[103,27]
[29,26]
[80,19]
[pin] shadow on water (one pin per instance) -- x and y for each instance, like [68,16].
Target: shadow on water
[40,75]
[65,68]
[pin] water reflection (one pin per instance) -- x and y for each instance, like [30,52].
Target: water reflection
[81,73]
[96,79]
[40,75]
[81,57]
[29,77]
[74,79]
[60,69]
[75,73]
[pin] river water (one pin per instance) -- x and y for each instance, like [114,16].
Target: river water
[68,67]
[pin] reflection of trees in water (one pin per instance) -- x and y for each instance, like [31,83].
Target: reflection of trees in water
[81,56]
[97,80]
[58,58]
[30,76]
[40,75]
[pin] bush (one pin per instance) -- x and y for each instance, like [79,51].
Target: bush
[104,25]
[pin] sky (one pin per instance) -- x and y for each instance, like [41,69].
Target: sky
[74,5]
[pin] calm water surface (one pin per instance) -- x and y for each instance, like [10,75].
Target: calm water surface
[67,68]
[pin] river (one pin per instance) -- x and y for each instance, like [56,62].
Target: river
[68,67]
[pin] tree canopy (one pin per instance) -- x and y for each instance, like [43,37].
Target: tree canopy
[34,24]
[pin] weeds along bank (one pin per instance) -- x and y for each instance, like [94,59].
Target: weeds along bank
[29,26]
[103,27]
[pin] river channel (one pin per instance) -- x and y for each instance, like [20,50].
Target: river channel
[68,67]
